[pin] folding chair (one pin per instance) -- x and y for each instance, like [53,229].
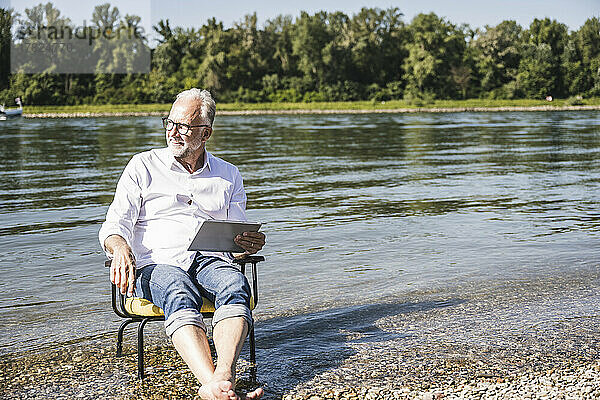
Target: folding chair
[142,311]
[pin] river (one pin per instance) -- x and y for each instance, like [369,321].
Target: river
[358,210]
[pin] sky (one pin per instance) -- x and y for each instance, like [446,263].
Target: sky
[476,13]
[189,13]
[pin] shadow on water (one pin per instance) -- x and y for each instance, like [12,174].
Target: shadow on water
[295,349]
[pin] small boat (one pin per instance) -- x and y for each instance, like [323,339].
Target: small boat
[12,112]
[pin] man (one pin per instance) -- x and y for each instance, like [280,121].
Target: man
[161,199]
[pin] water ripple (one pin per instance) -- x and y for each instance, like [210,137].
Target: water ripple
[356,207]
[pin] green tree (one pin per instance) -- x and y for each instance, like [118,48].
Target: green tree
[314,57]
[337,53]
[6,18]
[105,18]
[434,48]
[555,35]
[311,36]
[377,39]
[130,50]
[36,78]
[248,55]
[497,54]
[212,70]
[581,59]
[172,45]
[278,33]
[536,77]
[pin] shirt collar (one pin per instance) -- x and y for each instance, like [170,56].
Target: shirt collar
[169,159]
[208,159]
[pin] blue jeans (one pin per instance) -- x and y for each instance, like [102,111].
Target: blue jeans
[179,293]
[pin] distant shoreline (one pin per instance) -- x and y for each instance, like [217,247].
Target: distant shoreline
[323,111]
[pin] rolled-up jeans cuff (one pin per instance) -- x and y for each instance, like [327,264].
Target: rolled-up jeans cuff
[231,311]
[187,316]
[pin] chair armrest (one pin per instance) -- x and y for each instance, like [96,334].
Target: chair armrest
[117,299]
[248,259]
[252,260]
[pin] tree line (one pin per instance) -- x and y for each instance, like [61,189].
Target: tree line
[326,56]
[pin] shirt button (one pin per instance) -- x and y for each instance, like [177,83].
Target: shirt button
[190,202]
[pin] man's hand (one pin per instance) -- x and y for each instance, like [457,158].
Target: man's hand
[250,241]
[122,267]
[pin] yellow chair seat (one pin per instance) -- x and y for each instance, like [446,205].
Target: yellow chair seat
[145,308]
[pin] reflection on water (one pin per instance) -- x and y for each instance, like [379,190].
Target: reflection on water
[356,207]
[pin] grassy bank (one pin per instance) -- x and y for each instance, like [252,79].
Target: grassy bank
[351,105]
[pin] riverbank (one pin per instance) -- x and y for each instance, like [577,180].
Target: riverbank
[358,107]
[401,374]
[510,340]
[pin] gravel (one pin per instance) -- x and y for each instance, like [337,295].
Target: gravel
[515,341]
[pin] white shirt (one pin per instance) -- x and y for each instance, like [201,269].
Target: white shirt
[159,206]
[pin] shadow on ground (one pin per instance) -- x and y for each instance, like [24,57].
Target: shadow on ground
[292,350]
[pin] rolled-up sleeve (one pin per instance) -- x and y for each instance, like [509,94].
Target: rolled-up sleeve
[125,208]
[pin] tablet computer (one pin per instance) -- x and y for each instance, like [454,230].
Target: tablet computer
[215,235]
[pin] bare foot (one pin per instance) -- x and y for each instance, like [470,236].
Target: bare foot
[218,390]
[255,394]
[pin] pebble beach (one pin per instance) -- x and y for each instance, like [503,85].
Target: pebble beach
[503,342]
[96,374]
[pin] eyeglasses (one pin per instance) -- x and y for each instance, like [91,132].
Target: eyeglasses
[182,129]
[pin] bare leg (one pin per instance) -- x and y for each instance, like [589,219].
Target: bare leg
[229,335]
[192,345]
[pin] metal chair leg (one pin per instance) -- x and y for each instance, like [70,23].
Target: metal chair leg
[140,347]
[252,355]
[120,336]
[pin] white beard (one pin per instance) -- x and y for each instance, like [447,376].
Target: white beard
[179,148]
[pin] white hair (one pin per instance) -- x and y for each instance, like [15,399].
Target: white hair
[208,108]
